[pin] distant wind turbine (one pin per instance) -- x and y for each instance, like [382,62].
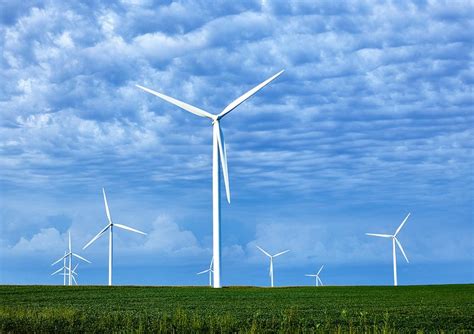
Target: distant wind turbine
[70,254]
[218,154]
[73,272]
[316,276]
[64,269]
[210,271]
[394,241]
[271,261]
[110,227]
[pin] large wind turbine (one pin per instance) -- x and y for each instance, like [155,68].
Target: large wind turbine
[271,261]
[316,276]
[110,227]
[69,255]
[394,241]
[210,271]
[218,154]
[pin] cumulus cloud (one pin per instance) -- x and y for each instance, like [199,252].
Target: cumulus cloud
[168,238]
[45,241]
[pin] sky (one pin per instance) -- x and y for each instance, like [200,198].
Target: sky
[372,119]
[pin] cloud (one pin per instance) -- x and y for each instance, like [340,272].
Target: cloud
[168,238]
[45,241]
[372,113]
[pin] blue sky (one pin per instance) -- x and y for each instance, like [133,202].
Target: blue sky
[372,119]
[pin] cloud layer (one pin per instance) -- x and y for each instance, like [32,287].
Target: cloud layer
[372,117]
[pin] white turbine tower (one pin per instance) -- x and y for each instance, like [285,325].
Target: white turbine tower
[69,255]
[73,273]
[316,276]
[210,271]
[218,154]
[110,227]
[271,261]
[394,241]
[64,269]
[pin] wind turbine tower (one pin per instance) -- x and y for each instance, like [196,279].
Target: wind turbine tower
[218,154]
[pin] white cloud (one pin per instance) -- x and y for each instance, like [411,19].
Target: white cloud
[168,238]
[46,241]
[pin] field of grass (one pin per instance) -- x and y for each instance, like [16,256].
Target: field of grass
[58,309]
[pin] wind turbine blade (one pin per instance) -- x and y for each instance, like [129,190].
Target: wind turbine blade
[203,272]
[80,257]
[310,275]
[401,225]
[96,237]
[74,279]
[212,261]
[182,105]
[264,251]
[320,269]
[379,235]
[107,211]
[247,95]
[321,282]
[57,271]
[401,248]
[281,253]
[65,255]
[223,156]
[129,228]
[75,267]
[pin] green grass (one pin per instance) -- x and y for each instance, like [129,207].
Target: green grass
[58,309]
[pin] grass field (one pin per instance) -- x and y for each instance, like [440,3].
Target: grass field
[445,308]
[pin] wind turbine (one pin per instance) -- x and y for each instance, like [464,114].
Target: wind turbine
[210,271]
[110,227]
[271,261]
[69,255]
[218,154]
[64,268]
[73,272]
[394,241]
[316,276]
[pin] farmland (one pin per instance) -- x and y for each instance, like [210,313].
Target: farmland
[236,309]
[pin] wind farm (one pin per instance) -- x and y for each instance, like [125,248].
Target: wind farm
[236,167]
[68,255]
